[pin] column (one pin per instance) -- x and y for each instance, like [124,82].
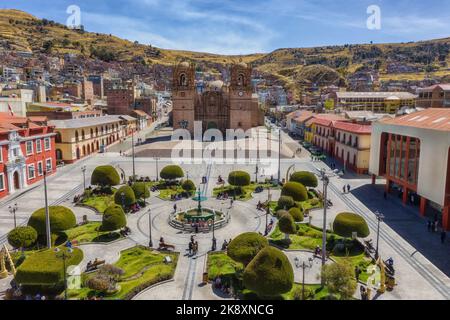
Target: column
[405,195]
[374,179]
[388,186]
[423,206]
[446,218]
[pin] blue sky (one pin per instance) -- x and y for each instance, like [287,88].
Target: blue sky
[249,26]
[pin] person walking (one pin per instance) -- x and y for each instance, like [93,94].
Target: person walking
[443,236]
[175,207]
[195,247]
[343,189]
[190,248]
[348,188]
[429,225]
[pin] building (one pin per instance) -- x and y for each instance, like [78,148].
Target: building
[98,87]
[296,122]
[437,96]
[218,106]
[377,102]
[322,126]
[413,153]
[61,111]
[27,149]
[17,99]
[120,96]
[143,119]
[78,138]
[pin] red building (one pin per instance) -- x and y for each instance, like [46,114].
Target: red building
[27,149]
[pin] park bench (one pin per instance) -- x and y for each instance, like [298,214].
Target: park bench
[92,266]
[165,246]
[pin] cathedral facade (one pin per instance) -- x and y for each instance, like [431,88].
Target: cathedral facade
[219,106]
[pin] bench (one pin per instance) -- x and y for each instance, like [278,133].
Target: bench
[165,246]
[94,265]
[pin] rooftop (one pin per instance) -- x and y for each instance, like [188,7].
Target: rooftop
[353,127]
[433,118]
[88,122]
[382,95]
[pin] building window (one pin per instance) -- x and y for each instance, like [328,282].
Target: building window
[48,165]
[40,168]
[38,146]
[31,172]
[47,144]
[29,147]
[2,181]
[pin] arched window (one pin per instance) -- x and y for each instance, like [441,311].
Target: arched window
[92,133]
[183,80]
[58,138]
[96,131]
[82,134]
[240,80]
[77,138]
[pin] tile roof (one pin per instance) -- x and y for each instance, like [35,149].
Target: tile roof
[384,95]
[433,118]
[353,127]
[87,122]
[443,86]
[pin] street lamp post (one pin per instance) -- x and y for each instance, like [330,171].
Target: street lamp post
[380,218]
[122,195]
[157,174]
[269,197]
[47,213]
[133,156]
[214,241]
[279,155]
[150,242]
[83,169]
[62,254]
[326,181]
[13,210]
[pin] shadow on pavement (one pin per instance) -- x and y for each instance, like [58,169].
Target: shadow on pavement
[406,221]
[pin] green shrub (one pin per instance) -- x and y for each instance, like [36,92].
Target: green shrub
[281,213]
[295,190]
[239,178]
[269,274]
[128,197]
[140,190]
[188,186]
[286,202]
[113,219]
[246,246]
[308,179]
[61,219]
[105,176]
[22,237]
[44,268]
[171,172]
[297,214]
[346,223]
[286,224]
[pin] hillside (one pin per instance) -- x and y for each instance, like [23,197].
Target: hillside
[293,67]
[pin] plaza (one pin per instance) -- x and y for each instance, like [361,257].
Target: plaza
[416,266]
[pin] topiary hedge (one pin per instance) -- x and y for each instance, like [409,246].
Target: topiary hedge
[286,224]
[297,214]
[61,219]
[308,179]
[295,190]
[286,202]
[188,185]
[113,219]
[44,268]
[105,176]
[171,172]
[245,247]
[239,178]
[22,237]
[269,274]
[346,223]
[140,190]
[128,197]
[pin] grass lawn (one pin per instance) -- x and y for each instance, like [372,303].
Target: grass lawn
[166,194]
[247,190]
[142,268]
[89,233]
[220,264]
[99,203]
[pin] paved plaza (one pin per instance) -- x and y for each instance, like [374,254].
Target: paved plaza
[418,259]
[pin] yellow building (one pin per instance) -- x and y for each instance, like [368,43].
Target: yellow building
[78,138]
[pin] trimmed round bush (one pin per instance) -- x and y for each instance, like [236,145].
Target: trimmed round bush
[308,179]
[297,214]
[188,185]
[286,224]
[286,202]
[105,176]
[246,246]
[280,213]
[171,172]
[128,198]
[113,219]
[61,219]
[295,190]
[346,223]
[22,237]
[239,178]
[269,274]
[140,190]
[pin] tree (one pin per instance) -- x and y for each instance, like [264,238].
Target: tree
[295,190]
[246,246]
[239,178]
[286,202]
[22,237]
[125,197]
[287,225]
[340,280]
[188,186]
[141,190]
[308,179]
[171,172]
[297,214]
[113,219]
[347,223]
[105,176]
[61,219]
[269,274]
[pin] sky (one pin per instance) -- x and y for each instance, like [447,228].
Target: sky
[252,26]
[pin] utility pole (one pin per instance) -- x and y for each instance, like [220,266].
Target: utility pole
[380,218]
[279,155]
[325,181]
[132,151]
[150,242]
[47,213]
[83,169]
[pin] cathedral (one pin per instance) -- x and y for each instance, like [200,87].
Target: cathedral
[219,106]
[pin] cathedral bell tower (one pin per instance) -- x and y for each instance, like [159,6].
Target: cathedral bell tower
[183,96]
[241,96]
